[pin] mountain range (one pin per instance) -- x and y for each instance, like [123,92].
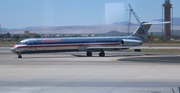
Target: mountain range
[117,26]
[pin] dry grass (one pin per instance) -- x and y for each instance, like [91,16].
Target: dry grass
[161,50]
[162,44]
[7,44]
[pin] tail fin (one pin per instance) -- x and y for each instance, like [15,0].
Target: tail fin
[144,27]
[142,30]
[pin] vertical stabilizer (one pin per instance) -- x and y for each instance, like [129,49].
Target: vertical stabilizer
[142,30]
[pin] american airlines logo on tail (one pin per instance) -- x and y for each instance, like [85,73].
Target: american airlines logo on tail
[141,31]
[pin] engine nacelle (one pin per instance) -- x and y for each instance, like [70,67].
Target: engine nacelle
[130,42]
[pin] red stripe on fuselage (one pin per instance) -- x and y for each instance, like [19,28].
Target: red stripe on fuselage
[64,45]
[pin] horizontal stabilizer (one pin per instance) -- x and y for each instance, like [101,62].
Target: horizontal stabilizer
[155,22]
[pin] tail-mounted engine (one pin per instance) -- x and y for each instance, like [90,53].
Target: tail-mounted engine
[130,42]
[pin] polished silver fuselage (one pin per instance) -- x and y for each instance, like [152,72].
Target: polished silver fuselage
[45,45]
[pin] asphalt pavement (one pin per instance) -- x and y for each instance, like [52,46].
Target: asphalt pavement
[73,72]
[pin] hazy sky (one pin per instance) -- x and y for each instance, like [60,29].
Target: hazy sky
[25,13]
[114,12]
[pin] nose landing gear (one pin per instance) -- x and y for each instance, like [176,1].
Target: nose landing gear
[19,56]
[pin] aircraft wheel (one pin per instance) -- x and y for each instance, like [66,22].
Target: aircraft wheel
[137,50]
[89,54]
[102,54]
[19,56]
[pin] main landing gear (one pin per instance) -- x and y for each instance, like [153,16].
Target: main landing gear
[89,54]
[137,50]
[101,54]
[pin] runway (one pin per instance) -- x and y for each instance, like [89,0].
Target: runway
[119,72]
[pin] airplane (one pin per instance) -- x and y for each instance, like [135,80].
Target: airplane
[87,44]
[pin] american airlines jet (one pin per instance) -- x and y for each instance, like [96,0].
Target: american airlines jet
[87,44]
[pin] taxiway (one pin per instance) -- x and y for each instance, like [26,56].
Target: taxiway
[118,72]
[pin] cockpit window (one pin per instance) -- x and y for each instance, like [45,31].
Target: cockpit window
[22,43]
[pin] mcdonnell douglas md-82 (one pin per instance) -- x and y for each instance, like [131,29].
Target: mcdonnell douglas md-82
[87,44]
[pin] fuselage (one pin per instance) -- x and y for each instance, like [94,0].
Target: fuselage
[45,45]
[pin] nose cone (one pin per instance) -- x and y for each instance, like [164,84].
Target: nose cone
[13,50]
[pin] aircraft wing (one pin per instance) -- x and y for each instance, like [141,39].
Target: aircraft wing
[107,48]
